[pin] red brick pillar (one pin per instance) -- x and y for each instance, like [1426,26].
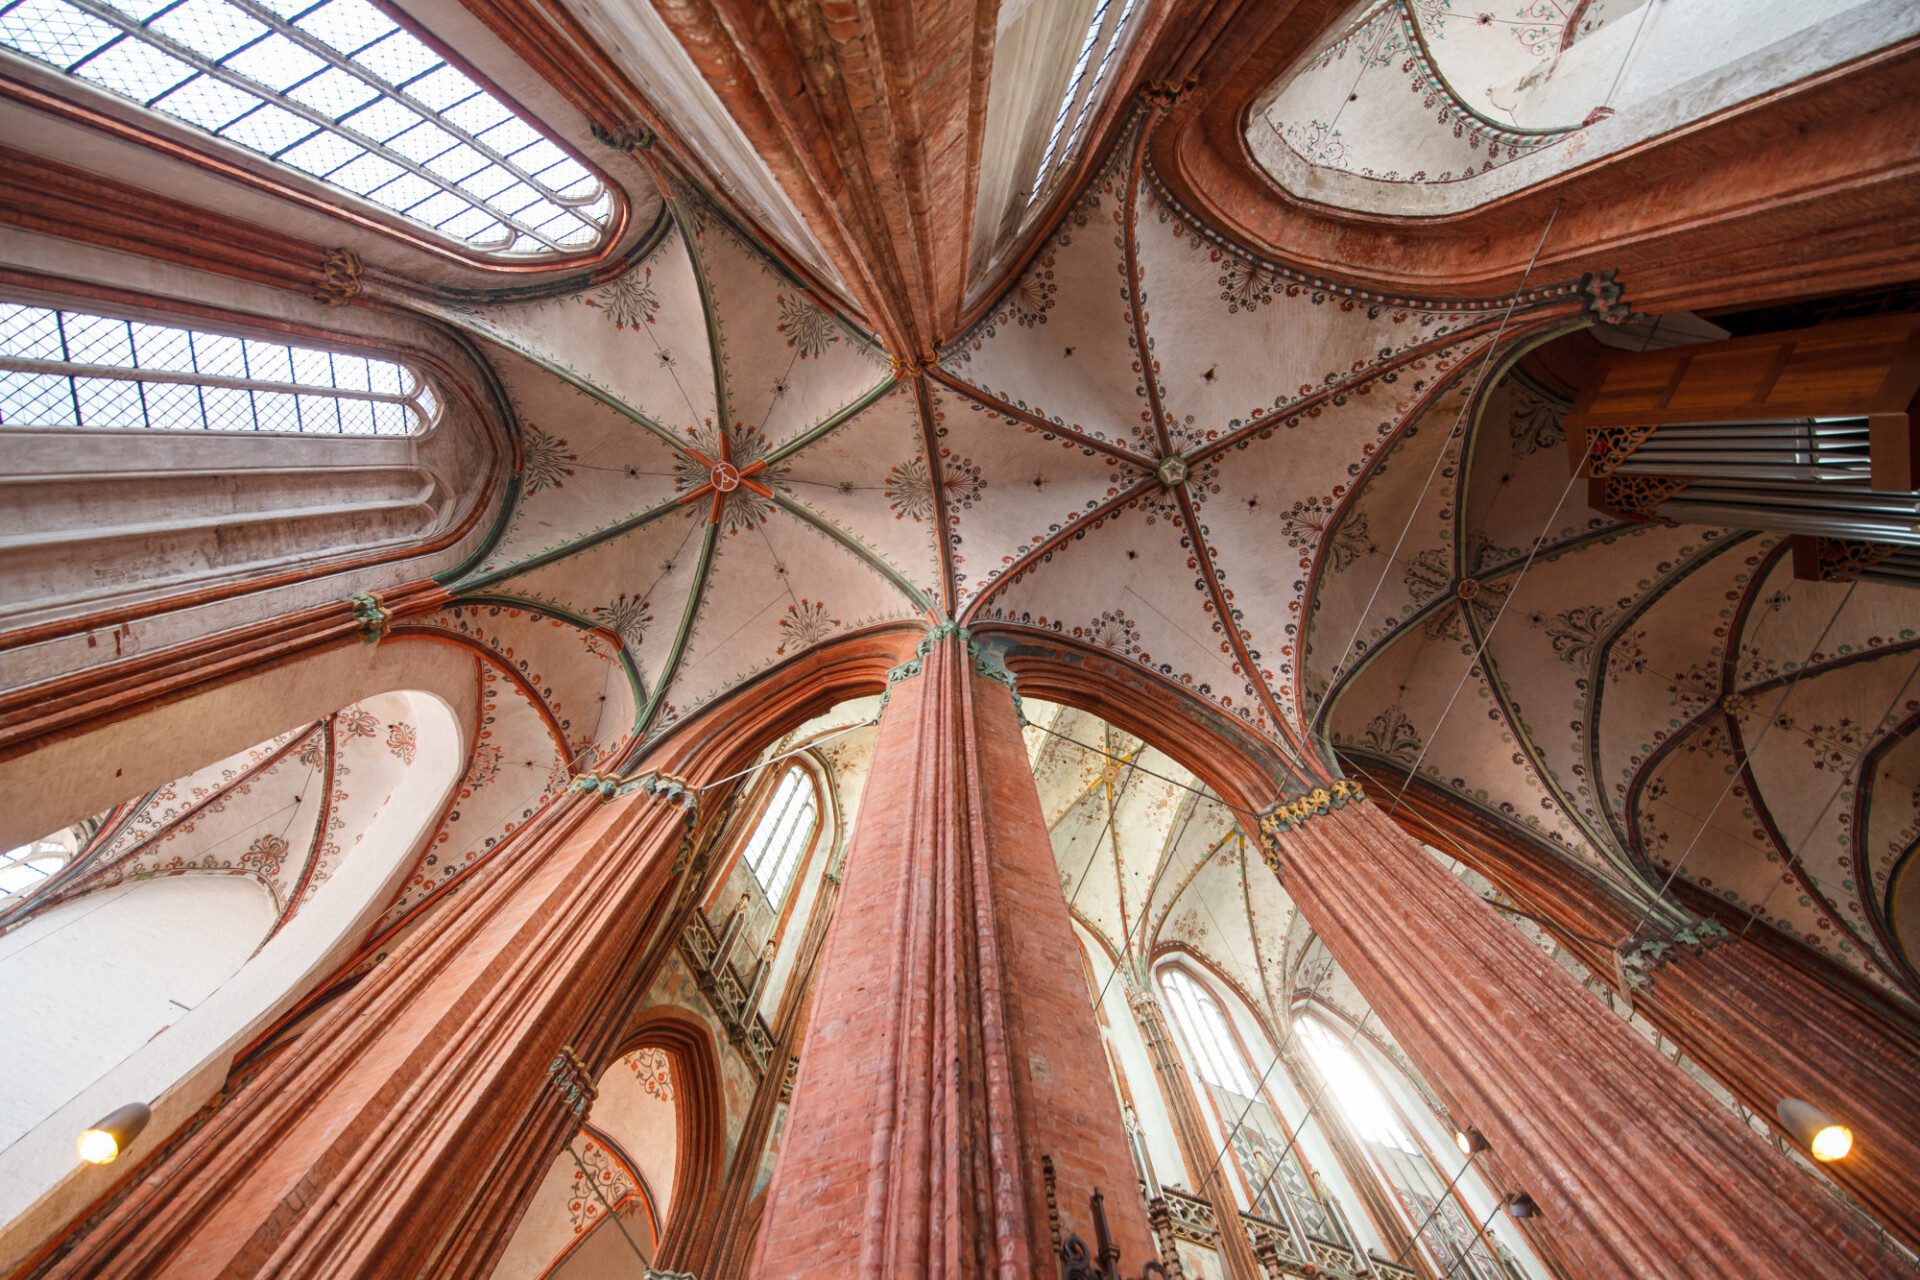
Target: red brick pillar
[1637,1171]
[1764,1015]
[951,1046]
[401,1133]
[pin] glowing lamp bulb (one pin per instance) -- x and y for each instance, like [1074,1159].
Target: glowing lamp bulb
[97,1146]
[1471,1142]
[103,1143]
[1832,1143]
[1822,1135]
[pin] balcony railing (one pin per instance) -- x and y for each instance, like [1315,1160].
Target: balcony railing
[731,996]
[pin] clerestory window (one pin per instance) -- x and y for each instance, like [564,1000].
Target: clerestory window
[1354,1089]
[1204,1027]
[69,369]
[25,869]
[784,832]
[337,90]
[1083,94]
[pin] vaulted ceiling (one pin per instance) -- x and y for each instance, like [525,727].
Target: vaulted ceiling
[1648,702]
[1185,419]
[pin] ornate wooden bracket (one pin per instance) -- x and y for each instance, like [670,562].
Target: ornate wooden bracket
[1608,447]
[1818,559]
[1633,498]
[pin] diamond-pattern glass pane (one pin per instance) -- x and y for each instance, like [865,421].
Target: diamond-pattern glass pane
[211,28]
[433,131]
[35,400]
[138,70]
[190,380]
[207,102]
[109,402]
[52,32]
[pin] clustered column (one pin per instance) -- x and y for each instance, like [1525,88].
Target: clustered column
[1637,1172]
[951,1054]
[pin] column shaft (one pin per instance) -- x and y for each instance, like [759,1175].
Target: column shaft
[1638,1172]
[951,1045]
[402,1131]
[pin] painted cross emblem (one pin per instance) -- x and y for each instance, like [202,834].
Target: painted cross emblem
[723,477]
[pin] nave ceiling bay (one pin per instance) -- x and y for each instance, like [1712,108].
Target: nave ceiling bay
[1030,480]
[1657,704]
[1153,444]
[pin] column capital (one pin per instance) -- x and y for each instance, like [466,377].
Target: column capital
[1288,815]
[986,665]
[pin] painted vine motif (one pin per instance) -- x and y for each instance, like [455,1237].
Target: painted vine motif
[545,459]
[627,617]
[805,624]
[808,329]
[629,301]
[654,1069]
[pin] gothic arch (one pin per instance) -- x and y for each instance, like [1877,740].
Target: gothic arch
[700,1111]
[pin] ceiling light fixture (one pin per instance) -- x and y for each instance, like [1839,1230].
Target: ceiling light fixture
[1521,1205]
[1471,1143]
[103,1143]
[1814,1129]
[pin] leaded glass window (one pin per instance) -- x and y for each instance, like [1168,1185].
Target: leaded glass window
[1268,1163]
[1420,1188]
[25,869]
[1077,104]
[1204,1028]
[783,833]
[70,369]
[337,90]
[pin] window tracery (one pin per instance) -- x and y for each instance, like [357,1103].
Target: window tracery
[783,834]
[1261,1148]
[66,369]
[339,91]
[1421,1190]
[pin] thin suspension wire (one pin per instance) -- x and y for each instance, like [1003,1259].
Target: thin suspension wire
[1486,639]
[1312,1107]
[1459,419]
[1093,856]
[602,1197]
[1475,1239]
[1845,778]
[787,755]
[1773,718]
[1326,971]
[1199,791]
[1401,1257]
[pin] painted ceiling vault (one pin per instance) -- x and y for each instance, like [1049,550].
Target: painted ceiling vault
[1338,518]
[1156,445]
[1649,702]
[718,471]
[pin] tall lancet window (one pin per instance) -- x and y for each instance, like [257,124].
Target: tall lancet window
[784,833]
[1417,1185]
[1105,33]
[69,369]
[1269,1164]
[337,90]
